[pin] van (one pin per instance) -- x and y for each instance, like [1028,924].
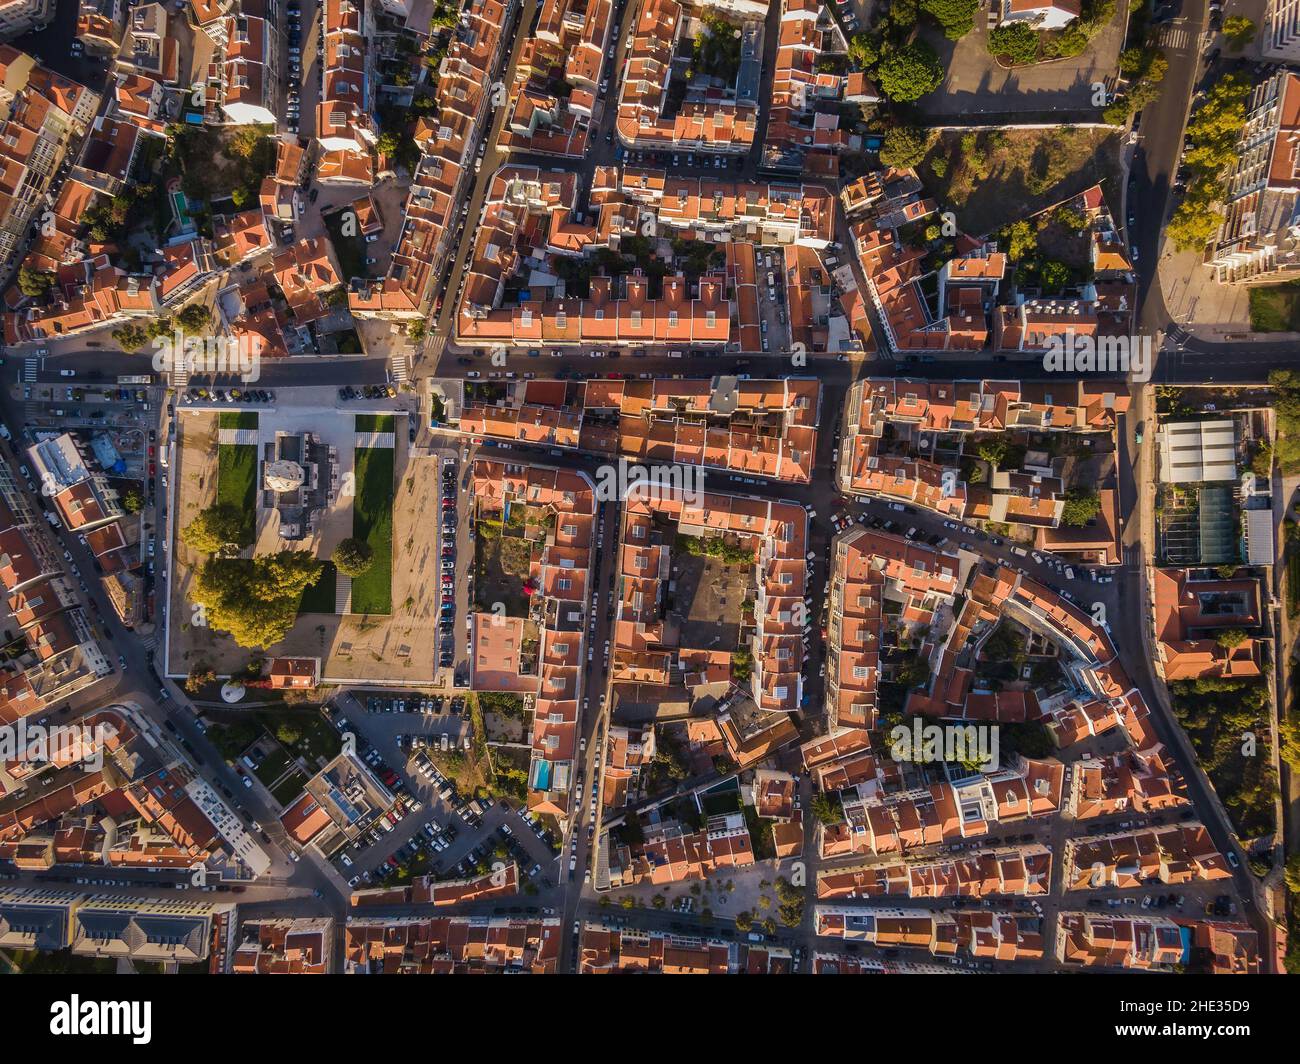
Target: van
[1069,573]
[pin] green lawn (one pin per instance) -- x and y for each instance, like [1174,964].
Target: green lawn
[290,788]
[319,597]
[237,480]
[238,419]
[273,766]
[376,422]
[372,521]
[1275,308]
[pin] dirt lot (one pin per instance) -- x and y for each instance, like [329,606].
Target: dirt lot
[709,598]
[1012,174]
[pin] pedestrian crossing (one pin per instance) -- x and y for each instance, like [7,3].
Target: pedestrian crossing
[30,368]
[1176,37]
[401,369]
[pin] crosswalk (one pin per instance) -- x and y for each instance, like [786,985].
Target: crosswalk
[401,369]
[1176,37]
[30,368]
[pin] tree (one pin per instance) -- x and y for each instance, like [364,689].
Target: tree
[220,529]
[132,502]
[1196,220]
[1020,239]
[200,676]
[863,50]
[194,318]
[32,282]
[956,17]
[904,146]
[827,808]
[1054,275]
[255,601]
[1292,874]
[1080,508]
[352,557]
[1239,31]
[1230,638]
[1014,42]
[130,337]
[909,73]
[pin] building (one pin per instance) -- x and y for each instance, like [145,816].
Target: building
[1281,39]
[41,114]
[1197,452]
[1040,14]
[22,16]
[82,495]
[302,946]
[1260,235]
[300,478]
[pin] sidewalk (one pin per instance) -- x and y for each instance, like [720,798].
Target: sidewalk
[1201,305]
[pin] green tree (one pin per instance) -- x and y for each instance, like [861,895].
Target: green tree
[1196,219]
[33,283]
[131,501]
[352,557]
[956,17]
[130,337]
[255,601]
[1238,31]
[910,72]
[220,529]
[864,50]
[1015,42]
[195,318]
[1080,508]
[1230,638]
[1021,239]
[904,146]
[1054,275]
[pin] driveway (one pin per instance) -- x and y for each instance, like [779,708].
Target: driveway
[977,85]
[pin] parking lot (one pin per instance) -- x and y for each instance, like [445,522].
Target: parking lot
[437,827]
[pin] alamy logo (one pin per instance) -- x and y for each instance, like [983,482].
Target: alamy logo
[1071,352]
[77,1017]
[182,353]
[973,745]
[61,744]
[654,483]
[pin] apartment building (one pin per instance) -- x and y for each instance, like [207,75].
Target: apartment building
[568,46]
[42,115]
[1259,239]
[1281,38]
[22,16]
[445,945]
[250,68]
[659,109]
[345,126]
[448,140]
[558,610]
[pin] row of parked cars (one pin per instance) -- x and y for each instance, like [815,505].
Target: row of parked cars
[426,706]
[227,395]
[367,391]
[447,605]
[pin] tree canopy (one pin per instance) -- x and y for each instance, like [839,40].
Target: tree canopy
[910,72]
[352,557]
[219,529]
[255,601]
